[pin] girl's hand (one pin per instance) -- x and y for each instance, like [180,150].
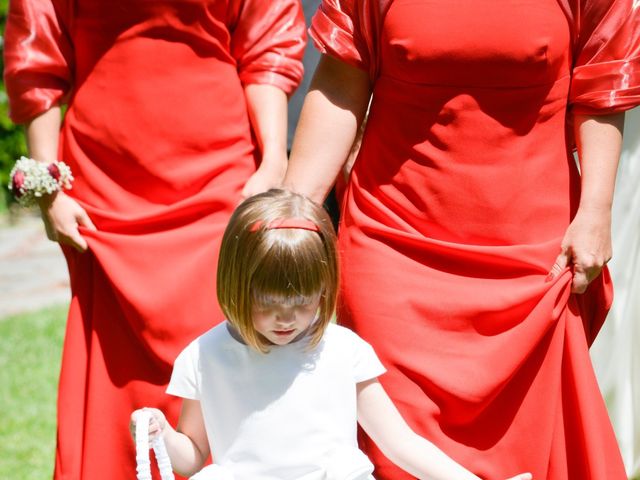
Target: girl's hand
[269,175]
[157,424]
[61,216]
[586,247]
[522,476]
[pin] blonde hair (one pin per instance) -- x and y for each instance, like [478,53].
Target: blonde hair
[260,265]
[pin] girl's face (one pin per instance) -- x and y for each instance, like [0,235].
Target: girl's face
[282,322]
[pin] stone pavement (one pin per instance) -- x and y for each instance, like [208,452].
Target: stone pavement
[33,273]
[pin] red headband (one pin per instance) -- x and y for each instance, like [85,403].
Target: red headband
[300,223]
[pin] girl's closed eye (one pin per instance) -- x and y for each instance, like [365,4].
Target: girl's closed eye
[266,300]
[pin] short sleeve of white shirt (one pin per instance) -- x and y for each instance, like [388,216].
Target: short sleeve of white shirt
[185,376]
[366,364]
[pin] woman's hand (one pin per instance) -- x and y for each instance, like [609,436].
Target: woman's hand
[585,248]
[61,216]
[157,424]
[269,175]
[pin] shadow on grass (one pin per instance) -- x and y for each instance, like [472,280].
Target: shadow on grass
[30,349]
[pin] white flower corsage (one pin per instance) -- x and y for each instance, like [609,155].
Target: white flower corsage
[31,179]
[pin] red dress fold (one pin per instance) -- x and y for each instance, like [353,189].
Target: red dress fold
[457,204]
[158,137]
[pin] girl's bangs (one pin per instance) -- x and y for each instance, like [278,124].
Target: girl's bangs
[278,277]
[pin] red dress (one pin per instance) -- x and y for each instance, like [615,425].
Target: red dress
[158,137]
[457,204]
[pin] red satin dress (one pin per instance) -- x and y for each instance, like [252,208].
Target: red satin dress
[456,208]
[158,138]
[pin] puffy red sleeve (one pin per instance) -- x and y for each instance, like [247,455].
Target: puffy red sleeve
[267,41]
[606,73]
[349,30]
[38,56]
[335,30]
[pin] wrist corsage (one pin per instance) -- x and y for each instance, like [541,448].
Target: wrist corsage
[30,179]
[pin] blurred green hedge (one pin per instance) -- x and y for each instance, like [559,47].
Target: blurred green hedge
[12,143]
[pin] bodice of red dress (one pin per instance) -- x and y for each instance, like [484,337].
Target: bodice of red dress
[147,129]
[505,87]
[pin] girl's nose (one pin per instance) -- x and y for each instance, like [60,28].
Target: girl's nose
[286,316]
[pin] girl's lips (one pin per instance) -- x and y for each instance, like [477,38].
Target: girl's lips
[284,333]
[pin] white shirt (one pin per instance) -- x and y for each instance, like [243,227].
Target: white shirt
[289,414]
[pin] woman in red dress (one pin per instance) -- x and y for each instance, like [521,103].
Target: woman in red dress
[464,193]
[170,106]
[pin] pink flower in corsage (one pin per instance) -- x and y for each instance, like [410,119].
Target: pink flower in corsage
[17,182]
[54,171]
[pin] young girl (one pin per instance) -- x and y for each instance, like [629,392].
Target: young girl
[276,391]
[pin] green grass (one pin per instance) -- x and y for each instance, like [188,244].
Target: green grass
[30,349]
